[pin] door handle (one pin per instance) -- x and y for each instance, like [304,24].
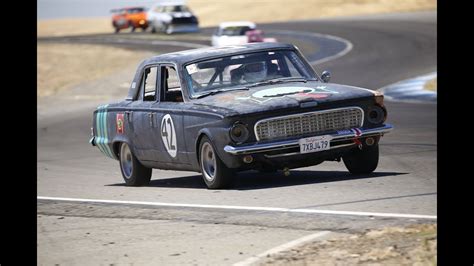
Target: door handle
[151,117]
[129,115]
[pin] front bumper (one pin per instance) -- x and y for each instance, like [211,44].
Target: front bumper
[183,28]
[92,141]
[340,136]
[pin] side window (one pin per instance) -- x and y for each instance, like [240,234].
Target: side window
[291,68]
[171,86]
[149,84]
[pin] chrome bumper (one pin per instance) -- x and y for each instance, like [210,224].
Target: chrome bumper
[280,145]
[92,141]
[183,28]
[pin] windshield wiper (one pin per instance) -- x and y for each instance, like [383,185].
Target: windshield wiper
[212,92]
[278,80]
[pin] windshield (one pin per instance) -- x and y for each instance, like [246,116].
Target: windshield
[135,10]
[176,9]
[236,72]
[235,31]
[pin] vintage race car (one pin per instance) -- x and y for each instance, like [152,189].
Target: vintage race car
[222,110]
[172,17]
[129,17]
[238,32]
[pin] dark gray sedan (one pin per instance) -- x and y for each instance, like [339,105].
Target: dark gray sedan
[221,110]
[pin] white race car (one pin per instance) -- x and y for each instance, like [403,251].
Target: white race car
[238,32]
[172,17]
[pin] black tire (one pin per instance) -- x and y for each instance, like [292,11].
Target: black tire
[215,173]
[153,29]
[363,161]
[117,29]
[130,24]
[133,172]
[165,28]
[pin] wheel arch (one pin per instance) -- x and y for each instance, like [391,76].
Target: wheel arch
[116,145]
[203,132]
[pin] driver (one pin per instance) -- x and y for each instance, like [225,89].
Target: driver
[254,72]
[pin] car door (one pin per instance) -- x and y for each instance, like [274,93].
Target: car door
[138,115]
[168,134]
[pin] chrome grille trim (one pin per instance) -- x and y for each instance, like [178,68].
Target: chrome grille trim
[310,123]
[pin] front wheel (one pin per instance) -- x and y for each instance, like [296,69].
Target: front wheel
[133,172]
[362,161]
[130,24]
[214,172]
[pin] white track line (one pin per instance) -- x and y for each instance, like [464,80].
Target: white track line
[346,50]
[281,248]
[246,208]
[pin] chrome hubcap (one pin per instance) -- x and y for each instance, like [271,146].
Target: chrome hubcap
[208,161]
[126,160]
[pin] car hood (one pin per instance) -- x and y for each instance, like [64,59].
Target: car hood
[181,14]
[273,97]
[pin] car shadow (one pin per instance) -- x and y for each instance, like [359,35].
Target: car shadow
[252,180]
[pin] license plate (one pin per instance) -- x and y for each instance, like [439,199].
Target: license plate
[315,144]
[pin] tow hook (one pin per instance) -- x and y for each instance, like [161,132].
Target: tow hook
[286,171]
[358,143]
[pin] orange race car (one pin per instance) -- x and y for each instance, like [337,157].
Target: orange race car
[129,17]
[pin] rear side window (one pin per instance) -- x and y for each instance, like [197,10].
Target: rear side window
[149,84]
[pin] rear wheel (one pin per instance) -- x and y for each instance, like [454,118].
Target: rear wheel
[363,161]
[166,29]
[117,29]
[214,172]
[133,172]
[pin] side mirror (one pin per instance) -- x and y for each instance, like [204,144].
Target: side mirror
[326,76]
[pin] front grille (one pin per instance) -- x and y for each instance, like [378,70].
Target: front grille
[185,20]
[308,123]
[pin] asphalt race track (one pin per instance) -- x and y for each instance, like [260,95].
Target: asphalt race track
[384,50]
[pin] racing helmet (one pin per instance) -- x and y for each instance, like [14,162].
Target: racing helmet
[255,71]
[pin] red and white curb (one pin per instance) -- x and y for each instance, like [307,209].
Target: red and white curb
[411,90]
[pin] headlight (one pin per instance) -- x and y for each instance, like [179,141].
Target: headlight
[239,133]
[376,114]
[378,98]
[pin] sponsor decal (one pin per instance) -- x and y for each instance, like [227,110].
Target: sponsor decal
[168,135]
[119,123]
[262,96]
[343,132]
[356,132]
[192,69]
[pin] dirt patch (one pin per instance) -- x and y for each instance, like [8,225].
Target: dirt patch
[412,245]
[62,66]
[212,12]
[73,26]
[431,85]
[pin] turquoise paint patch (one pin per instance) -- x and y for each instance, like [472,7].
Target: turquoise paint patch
[102,140]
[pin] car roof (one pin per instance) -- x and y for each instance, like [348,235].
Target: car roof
[177,3]
[237,24]
[126,8]
[185,56]
[133,7]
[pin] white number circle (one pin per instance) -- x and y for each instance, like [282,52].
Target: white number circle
[168,135]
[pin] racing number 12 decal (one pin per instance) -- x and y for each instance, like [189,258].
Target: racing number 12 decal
[168,135]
